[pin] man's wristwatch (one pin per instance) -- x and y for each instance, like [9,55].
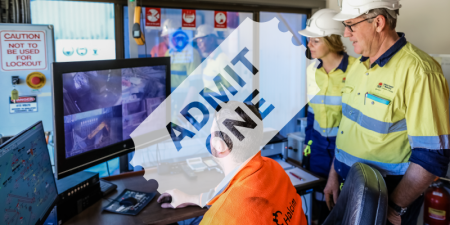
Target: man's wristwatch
[399,210]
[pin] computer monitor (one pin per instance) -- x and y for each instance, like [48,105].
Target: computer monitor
[27,190]
[98,104]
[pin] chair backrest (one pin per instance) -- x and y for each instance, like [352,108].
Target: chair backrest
[363,199]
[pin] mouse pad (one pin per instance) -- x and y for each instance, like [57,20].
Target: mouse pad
[142,200]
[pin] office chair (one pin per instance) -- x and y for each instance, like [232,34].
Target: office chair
[363,199]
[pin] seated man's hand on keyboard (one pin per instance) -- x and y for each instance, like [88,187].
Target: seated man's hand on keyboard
[177,199]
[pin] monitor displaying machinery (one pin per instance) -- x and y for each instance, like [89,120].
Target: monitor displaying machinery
[27,184]
[97,105]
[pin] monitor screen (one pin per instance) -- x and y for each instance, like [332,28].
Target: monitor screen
[98,104]
[27,189]
[103,107]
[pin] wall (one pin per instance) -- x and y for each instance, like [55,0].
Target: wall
[425,24]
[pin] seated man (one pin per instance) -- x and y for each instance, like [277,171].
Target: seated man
[256,189]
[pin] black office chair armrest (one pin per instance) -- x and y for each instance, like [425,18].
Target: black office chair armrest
[363,200]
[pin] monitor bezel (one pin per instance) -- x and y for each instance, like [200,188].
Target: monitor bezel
[67,166]
[55,202]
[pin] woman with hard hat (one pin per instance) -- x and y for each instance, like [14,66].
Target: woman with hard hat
[325,110]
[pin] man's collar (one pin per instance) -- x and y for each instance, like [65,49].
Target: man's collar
[384,59]
[342,66]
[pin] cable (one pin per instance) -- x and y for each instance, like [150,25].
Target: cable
[307,209]
[17,11]
[107,168]
[13,12]
[321,204]
[23,10]
[111,200]
[143,30]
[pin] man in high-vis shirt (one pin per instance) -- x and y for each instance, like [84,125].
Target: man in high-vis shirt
[183,57]
[257,190]
[395,110]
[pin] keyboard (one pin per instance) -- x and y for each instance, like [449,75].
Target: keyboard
[107,187]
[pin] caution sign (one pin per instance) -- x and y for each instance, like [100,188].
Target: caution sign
[23,50]
[23,105]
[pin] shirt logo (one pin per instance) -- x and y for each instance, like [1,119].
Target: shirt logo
[384,86]
[343,80]
[287,216]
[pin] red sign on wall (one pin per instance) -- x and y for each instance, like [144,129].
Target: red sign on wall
[220,19]
[23,104]
[25,99]
[152,17]
[23,50]
[188,18]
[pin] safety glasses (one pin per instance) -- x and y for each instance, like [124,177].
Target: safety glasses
[350,26]
[314,41]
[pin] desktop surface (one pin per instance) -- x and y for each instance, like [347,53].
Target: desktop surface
[153,213]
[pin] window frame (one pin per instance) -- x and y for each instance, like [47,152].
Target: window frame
[248,8]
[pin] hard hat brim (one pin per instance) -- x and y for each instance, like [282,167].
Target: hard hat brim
[199,36]
[344,17]
[310,34]
[203,35]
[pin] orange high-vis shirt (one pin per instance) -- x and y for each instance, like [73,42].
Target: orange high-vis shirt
[260,193]
[159,50]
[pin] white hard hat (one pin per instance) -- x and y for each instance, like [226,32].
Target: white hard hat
[321,24]
[204,30]
[170,26]
[354,8]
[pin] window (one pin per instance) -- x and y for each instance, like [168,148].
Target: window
[188,37]
[289,22]
[83,30]
[155,36]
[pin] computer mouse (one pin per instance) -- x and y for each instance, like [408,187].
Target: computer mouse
[128,201]
[165,199]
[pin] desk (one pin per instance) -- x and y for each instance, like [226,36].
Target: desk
[152,213]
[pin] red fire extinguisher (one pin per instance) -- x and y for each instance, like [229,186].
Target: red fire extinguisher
[436,206]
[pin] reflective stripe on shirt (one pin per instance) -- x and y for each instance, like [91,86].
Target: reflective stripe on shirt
[384,168]
[430,142]
[326,132]
[327,100]
[370,123]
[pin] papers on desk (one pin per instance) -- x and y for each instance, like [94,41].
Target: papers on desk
[298,173]
[284,164]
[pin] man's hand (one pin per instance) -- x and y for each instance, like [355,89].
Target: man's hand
[393,217]
[415,182]
[331,191]
[177,199]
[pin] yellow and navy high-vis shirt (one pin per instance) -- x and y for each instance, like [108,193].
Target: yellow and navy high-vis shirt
[324,111]
[395,111]
[182,64]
